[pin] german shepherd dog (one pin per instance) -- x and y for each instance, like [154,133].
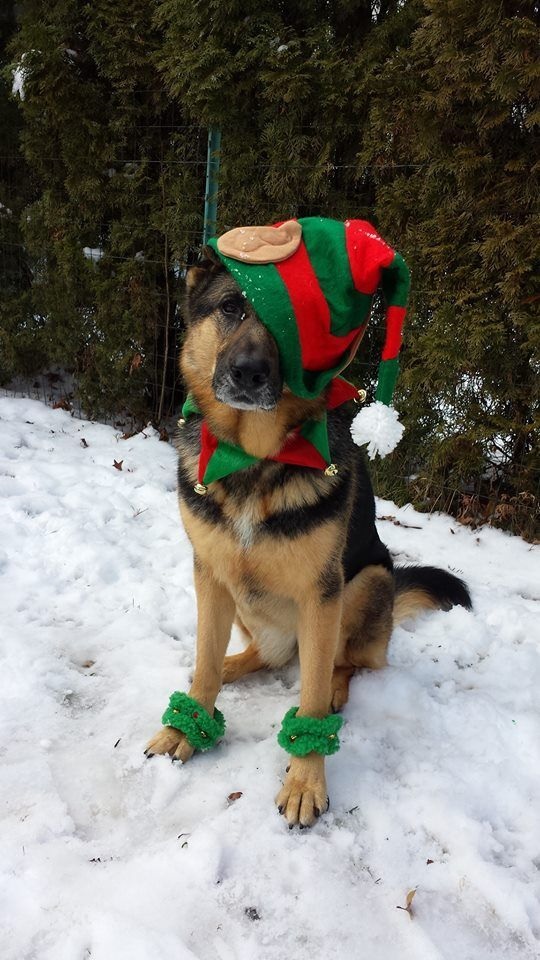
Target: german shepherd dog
[289,554]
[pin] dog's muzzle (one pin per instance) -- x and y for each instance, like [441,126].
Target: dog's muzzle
[246,380]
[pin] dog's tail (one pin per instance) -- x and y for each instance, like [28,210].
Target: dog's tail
[427,588]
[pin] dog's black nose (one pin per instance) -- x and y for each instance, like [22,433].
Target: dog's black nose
[250,370]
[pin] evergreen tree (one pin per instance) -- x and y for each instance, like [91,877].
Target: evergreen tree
[459,104]
[113,221]
[19,329]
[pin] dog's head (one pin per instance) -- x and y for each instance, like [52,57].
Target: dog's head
[227,349]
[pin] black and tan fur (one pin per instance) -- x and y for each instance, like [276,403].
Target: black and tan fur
[290,554]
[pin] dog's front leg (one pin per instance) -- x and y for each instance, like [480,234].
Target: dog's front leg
[215,614]
[303,796]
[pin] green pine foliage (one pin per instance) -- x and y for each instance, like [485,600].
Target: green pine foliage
[19,329]
[113,221]
[280,79]
[459,103]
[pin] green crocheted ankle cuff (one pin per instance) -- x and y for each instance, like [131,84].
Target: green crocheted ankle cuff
[302,735]
[187,715]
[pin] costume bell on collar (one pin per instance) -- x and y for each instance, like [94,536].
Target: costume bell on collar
[307,446]
[311,282]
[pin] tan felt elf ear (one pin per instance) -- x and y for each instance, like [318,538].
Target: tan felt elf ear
[261,244]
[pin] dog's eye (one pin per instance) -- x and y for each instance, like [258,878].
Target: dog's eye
[230,307]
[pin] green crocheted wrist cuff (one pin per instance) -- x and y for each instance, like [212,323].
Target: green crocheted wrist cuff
[187,715]
[302,735]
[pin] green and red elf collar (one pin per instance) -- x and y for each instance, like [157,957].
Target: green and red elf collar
[307,446]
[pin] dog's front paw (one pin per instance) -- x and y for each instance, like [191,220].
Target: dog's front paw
[171,741]
[303,796]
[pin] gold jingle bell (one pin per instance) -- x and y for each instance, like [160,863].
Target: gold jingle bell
[181,422]
[331,470]
[362,394]
[200,489]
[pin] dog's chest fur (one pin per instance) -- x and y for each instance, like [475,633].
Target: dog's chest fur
[245,521]
[274,529]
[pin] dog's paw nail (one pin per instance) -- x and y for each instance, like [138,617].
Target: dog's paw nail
[148,755]
[280,808]
[287,768]
[327,804]
[291,825]
[316,811]
[303,826]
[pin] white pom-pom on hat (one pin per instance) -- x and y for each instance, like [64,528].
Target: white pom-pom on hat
[377,425]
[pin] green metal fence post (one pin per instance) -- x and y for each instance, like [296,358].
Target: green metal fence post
[211,190]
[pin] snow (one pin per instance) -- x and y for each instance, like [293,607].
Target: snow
[19,77]
[93,253]
[105,855]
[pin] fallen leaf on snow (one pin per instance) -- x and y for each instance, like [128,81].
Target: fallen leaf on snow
[408,902]
[410,897]
[234,796]
[118,464]
[399,523]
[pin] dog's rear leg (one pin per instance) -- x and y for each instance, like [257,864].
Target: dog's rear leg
[215,610]
[240,664]
[341,679]
[366,626]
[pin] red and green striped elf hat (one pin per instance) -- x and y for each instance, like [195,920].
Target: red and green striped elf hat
[311,282]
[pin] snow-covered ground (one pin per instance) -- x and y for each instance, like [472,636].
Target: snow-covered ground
[107,856]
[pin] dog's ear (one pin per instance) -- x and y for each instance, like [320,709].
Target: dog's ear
[208,265]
